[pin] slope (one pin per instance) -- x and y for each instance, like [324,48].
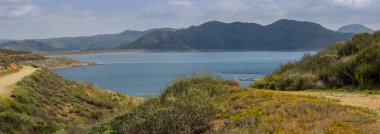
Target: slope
[281,35]
[11,79]
[355,28]
[47,103]
[351,65]
[83,43]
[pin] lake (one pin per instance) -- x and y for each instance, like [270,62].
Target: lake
[148,73]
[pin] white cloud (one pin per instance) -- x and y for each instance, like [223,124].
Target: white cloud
[56,18]
[353,3]
[185,3]
[229,6]
[17,9]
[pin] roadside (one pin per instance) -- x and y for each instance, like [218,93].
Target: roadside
[7,82]
[370,101]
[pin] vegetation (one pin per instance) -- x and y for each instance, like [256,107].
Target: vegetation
[352,64]
[47,103]
[56,63]
[11,60]
[207,104]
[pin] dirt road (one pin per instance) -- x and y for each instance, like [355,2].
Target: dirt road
[354,99]
[8,82]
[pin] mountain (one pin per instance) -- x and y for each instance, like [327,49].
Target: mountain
[28,45]
[351,65]
[3,41]
[84,43]
[288,35]
[355,28]
[280,35]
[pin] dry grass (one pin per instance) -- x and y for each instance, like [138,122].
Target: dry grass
[45,103]
[371,101]
[189,103]
[260,111]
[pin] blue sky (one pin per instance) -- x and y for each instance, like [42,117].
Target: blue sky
[22,19]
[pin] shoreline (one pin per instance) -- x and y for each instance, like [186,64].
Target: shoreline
[65,53]
[75,65]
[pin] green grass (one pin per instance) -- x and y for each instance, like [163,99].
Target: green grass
[46,103]
[353,65]
[260,111]
[206,104]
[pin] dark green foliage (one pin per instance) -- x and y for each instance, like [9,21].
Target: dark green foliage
[187,106]
[353,63]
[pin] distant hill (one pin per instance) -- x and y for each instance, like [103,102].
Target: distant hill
[3,41]
[96,42]
[28,45]
[281,35]
[355,28]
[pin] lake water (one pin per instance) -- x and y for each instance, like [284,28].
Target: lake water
[148,73]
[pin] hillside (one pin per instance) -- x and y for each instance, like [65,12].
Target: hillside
[47,103]
[96,42]
[11,60]
[207,104]
[281,35]
[355,28]
[354,64]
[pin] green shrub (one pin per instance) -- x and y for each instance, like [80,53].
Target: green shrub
[45,103]
[354,63]
[365,76]
[187,106]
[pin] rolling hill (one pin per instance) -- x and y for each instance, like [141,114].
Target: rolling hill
[283,35]
[355,28]
[85,43]
[280,35]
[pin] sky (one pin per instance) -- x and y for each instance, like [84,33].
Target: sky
[35,19]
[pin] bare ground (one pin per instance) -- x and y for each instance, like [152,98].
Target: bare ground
[8,82]
[370,101]
[355,99]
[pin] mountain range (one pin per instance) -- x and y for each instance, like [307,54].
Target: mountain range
[288,35]
[84,43]
[280,35]
[355,28]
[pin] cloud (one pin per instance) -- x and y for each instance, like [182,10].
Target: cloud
[184,3]
[172,9]
[56,18]
[353,3]
[12,9]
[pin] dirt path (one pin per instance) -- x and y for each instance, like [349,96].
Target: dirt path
[354,99]
[8,82]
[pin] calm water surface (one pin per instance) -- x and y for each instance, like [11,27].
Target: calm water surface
[148,73]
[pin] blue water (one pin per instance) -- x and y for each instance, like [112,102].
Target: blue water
[148,73]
